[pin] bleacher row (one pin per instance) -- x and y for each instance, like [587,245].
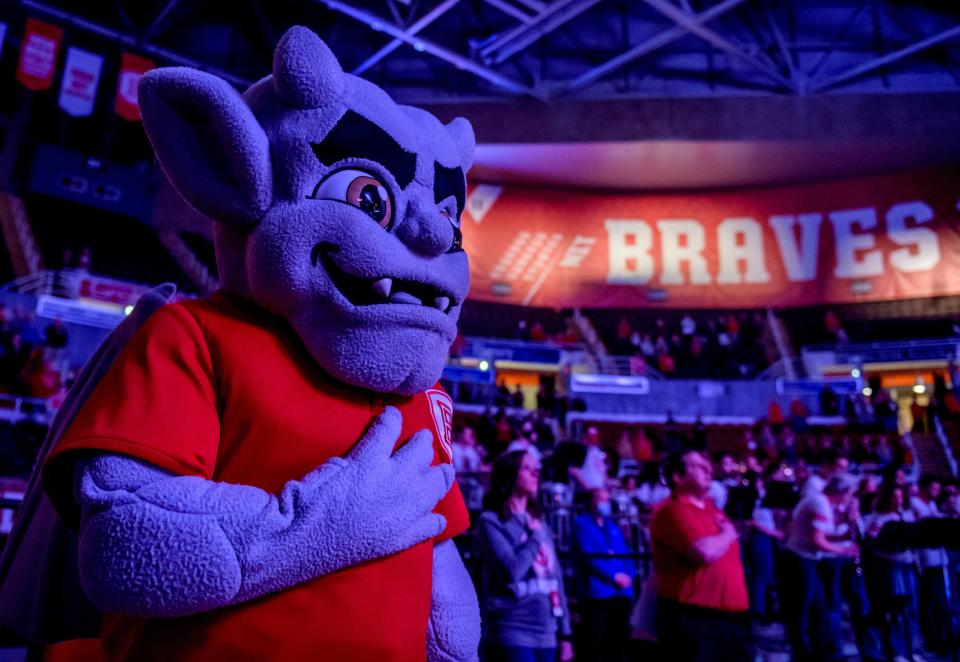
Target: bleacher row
[866,445]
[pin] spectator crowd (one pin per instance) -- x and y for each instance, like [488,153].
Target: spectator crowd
[797,518]
[31,354]
[726,346]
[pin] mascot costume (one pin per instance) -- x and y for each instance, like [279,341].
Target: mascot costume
[265,473]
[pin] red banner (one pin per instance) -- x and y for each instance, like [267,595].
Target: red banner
[38,54]
[78,88]
[865,239]
[111,290]
[132,68]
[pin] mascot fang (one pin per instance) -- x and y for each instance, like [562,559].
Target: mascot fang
[265,473]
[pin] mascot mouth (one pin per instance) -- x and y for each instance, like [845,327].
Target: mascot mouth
[366,292]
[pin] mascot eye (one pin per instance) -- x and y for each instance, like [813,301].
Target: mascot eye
[361,190]
[457,241]
[451,216]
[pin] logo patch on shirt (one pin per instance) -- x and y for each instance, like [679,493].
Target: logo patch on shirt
[441,408]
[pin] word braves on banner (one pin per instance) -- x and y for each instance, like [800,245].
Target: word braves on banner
[81,76]
[132,68]
[864,239]
[741,256]
[38,54]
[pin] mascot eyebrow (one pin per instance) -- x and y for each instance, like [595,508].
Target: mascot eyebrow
[447,182]
[355,136]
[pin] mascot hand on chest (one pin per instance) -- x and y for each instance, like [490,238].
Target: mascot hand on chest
[265,473]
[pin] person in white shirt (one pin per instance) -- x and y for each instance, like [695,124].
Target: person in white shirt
[650,494]
[832,463]
[592,474]
[838,571]
[527,442]
[467,454]
[468,461]
[651,489]
[813,636]
[725,476]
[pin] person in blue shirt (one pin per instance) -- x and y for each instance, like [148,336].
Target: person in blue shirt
[608,576]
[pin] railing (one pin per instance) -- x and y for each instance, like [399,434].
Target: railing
[790,367]
[788,363]
[595,347]
[12,493]
[627,366]
[890,351]
[16,408]
[187,259]
[76,283]
[945,444]
[516,343]
[912,470]
[41,282]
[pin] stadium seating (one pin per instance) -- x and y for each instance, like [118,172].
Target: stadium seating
[745,356]
[885,320]
[503,321]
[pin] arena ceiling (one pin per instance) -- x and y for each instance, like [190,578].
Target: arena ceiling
[650,93]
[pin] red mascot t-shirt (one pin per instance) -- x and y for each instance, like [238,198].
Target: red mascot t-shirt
[219,388]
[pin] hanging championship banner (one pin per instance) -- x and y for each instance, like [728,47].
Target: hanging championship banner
[847,241]
[81,75]
[38,54]
[132,68]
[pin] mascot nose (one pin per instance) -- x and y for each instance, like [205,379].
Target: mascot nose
[425,230]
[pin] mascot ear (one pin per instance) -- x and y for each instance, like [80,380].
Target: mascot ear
[209,144]
[462,133]
[306,73]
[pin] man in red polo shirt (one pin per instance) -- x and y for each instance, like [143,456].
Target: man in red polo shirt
[702,607]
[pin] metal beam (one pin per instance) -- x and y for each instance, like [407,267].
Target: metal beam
[158,20]
[133,42]
[854,15]
[412,29]
[535,5]
[695,27]
[877,22]
[438,51]
[889,58]
[908,26]
[784,48]
[654,43]
[395,11]
[520,30]
[543,28]
[122,13]
[511,10]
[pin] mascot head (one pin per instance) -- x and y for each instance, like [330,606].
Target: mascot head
[334,207]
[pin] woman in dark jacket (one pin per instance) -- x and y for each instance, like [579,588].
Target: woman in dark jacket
[522,597]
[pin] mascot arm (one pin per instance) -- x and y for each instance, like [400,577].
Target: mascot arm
[453,634]
[153,544]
